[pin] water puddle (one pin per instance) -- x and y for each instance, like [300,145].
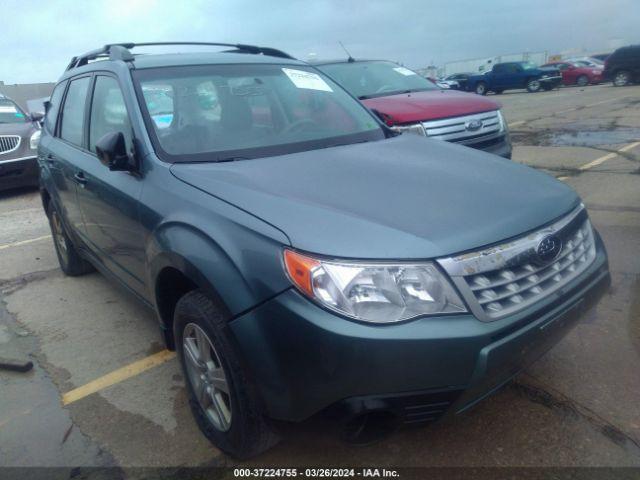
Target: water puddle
[592,138]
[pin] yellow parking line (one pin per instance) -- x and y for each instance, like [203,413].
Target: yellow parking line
[24,242]
[573,109]
[609,156]
[605,101]
[567,110]
[629,147]
[117,376]
[598,161]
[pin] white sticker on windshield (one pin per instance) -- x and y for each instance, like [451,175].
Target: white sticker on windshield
[404,71]
[308,80]
[8,109]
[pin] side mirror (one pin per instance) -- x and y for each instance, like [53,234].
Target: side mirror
[112,152]
[36,116]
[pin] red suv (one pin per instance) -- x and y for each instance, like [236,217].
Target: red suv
[408,102]
[577,73]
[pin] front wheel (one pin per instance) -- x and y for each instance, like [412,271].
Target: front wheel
[533,86]
[582,81]
[622,78]
[221,397]
[481,88]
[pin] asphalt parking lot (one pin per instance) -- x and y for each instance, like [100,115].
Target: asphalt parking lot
[103,391]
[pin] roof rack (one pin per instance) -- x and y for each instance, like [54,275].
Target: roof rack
[120,51]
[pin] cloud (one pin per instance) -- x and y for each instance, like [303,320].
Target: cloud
[42,36]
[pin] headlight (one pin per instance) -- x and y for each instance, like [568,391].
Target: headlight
[371,291]
[415,128]
[34,140]
[503,123]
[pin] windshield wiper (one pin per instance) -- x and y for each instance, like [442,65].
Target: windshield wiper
[391,92]
[230,159]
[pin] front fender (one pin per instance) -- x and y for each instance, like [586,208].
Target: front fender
[239,268]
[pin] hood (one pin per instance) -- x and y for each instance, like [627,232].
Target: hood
[23,129]
[587,70]
[430,105]
[403,197]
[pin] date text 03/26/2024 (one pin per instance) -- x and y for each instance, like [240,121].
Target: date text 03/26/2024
[315,473]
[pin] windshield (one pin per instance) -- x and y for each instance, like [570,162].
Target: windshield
[376,78]
[227,112]
[594,61]
[11,113]
[581,63]
[528,65]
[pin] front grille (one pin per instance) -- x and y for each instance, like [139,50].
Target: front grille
[9,143]
[460,129]
[485,143]
[507,278]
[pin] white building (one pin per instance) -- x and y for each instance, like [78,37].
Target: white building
[480,65]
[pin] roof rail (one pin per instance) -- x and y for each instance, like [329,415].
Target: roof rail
[120,51]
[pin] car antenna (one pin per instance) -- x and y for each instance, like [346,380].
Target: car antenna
[350,59]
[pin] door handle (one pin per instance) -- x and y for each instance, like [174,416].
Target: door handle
[50,159]
[80,179]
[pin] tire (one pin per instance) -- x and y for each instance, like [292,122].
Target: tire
[582,81]
[621,78]
[71,263]
[533,85]
[231,420]
[481,88]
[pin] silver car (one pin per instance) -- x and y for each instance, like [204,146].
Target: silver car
[19,136]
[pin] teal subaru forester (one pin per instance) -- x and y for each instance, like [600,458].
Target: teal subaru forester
[301,256]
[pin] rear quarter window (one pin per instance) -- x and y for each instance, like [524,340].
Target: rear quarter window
[54,107]
[72,128]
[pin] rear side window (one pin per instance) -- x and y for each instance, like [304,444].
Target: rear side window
[73,111]
[54,107]
[108,112]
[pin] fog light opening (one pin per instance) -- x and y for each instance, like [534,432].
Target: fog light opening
[369,428]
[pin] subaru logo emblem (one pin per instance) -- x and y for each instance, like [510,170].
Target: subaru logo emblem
[473,125]
[549,248]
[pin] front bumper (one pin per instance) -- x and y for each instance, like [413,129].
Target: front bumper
[498,145]
[304,359]
[551,80]
[596,78]
[18,172]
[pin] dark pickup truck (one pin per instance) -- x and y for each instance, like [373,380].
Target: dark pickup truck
[514,75]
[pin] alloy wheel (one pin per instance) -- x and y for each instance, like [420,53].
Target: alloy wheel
[207,376]
[621,79]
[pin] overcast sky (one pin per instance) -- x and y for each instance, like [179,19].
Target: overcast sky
[39,37]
